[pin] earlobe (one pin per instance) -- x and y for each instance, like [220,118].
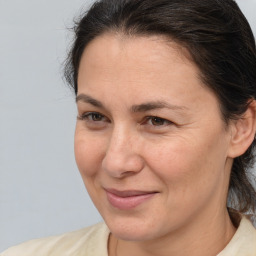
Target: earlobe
[243,131]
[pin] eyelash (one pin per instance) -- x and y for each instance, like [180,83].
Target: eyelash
[90,117]
[163,122]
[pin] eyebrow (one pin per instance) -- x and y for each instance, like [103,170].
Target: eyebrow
[155,105]
[88,99]
[135,108]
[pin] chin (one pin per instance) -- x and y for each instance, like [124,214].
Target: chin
[131,234]
[131,229]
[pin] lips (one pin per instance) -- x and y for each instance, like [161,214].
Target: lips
[128,199]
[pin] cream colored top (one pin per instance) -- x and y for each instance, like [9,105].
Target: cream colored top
[93,241]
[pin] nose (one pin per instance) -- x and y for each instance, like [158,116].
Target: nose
[122,157]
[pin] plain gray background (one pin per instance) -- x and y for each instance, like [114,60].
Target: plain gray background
[41,192]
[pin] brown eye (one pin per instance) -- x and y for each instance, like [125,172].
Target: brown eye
[96,117]
[93,117]
[157,121]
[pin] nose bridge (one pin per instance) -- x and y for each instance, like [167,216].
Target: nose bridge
[120,140]
[122,156]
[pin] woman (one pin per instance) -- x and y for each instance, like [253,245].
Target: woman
[165,132]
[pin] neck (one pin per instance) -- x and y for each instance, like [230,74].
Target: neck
[202,236]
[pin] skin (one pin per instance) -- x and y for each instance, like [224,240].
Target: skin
[185,155]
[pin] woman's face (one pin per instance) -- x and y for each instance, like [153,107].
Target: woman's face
[150,143]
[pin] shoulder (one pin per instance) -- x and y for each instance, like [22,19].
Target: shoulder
[243,242]
[88,241]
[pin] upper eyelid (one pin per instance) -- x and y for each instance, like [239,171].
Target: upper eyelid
[87,114]
[91,113]
[85,111]
[163,119]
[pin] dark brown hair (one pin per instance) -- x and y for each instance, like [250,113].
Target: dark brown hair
[220,42]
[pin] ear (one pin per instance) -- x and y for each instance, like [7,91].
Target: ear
[243,132]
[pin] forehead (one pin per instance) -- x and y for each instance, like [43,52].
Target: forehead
[134,57]
[147,49]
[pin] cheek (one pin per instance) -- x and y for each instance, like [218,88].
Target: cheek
[186,165]
[88,154]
